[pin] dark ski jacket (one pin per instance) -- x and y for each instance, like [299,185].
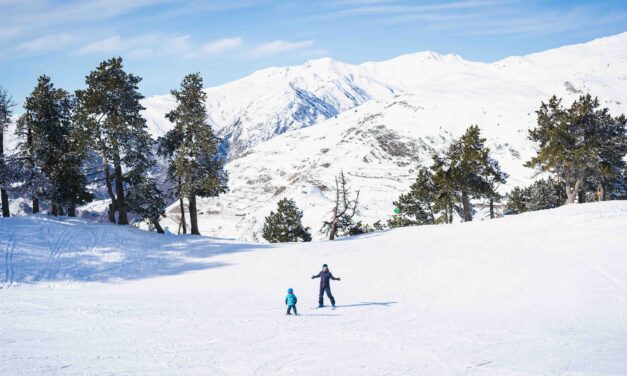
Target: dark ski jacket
[325,276]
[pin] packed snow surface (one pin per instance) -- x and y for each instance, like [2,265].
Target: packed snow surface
[543,293]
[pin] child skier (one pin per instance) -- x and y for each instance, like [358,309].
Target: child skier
[291,300]
[325,286]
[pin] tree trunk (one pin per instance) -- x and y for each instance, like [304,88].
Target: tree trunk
[581,197]
[54,209]
[466,207]
[71,211]
[193,214]
[491,208]
[333,230]
[35,205]
[119,190]
[111,213]
[183,215]
[155,222]
[601,192]
[60,208]
[4,196]
[570,194]
[112,206]
[5,203]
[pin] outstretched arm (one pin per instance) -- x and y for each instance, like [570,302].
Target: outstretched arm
[335,279]
[316,276]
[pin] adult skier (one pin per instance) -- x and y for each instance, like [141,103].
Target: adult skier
[325,286]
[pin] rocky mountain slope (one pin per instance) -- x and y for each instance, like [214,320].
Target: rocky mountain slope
[380,143]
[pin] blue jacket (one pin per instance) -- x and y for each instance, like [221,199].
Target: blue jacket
[291,299]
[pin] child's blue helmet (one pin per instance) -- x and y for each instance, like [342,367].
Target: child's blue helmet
[290,291]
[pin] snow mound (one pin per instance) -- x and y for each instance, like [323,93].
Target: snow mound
[540,293]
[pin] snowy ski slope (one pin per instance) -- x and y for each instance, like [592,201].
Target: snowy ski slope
[543,293]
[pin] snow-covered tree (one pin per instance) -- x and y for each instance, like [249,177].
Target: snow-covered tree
[285,225]
[192,148]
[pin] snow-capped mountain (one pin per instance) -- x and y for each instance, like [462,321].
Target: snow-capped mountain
[273,101]
[417,103]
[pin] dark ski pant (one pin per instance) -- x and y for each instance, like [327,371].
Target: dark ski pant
[326,289]
[289,309]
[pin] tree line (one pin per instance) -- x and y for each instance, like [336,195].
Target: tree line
[73,144]
[581,149]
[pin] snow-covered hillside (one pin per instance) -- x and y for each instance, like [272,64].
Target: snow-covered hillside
[543,293]
[380,142]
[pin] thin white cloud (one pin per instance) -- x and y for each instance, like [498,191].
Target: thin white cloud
[8,33]
[46,43]
[156,45]
[222,45]
[381,8]
[111,44]
[279,47]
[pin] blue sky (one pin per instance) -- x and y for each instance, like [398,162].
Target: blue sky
[162,40]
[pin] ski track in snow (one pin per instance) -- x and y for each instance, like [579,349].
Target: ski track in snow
[537,294]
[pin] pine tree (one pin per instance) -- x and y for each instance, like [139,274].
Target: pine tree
[35,153]
[110,110]
[147,200]
[52,149]
[580,143]
[475,172]
[70,152]
[608,177]
[417,206]
[516,201]
[544,194]
[446,198]
[6,110]
[192,147]
[285,225]
[465,172]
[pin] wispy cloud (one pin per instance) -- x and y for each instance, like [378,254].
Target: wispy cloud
[383,8]
[156,45]
[222,45]
[142,46]
[49,12]
[279,47]
[7,33]
[47,43]
[111,44]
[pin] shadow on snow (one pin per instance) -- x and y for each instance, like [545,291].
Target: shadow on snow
[362,304]
[38,248]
